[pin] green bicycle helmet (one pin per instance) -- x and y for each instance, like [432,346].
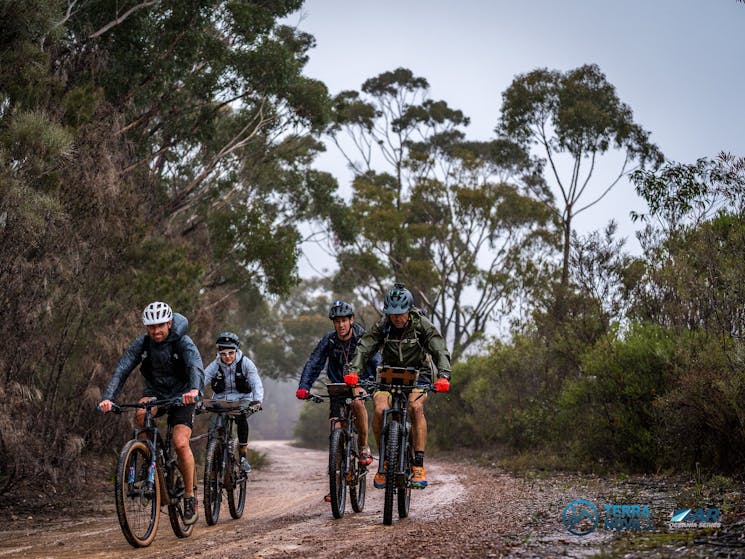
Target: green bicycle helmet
[398,300]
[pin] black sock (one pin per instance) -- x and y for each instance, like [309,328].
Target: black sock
[419,458]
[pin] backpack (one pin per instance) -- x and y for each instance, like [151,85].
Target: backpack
[178,366]
[241,380]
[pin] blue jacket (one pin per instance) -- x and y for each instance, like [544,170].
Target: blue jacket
[335,354]
[231,392]
[164,383]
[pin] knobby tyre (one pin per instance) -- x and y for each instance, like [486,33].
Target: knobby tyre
[137,503]
[357,479]
[404,486]
[213,478]
[235,485]
[337,472]
[176,506]
[391,453]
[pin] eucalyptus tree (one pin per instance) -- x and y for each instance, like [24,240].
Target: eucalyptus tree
[148,149]
[447,216]
[575,115]
[693,243]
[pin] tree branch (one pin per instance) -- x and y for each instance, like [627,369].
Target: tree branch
[113,23]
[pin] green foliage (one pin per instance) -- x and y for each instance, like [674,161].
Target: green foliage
[162,152]
[702,415]
[312,427]
[608,414]
[497,398]
[576,114]
[448,217]
[165,271]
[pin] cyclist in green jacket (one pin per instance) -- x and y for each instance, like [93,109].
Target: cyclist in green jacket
[405,338]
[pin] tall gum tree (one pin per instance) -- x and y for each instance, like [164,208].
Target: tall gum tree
[576,114]
[148,150]
[449,217]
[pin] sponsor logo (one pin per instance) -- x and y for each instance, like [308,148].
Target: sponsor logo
[580,517]
[632,518]
[695,518]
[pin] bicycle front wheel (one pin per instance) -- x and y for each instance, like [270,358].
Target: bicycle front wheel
[357,478]
[236,488]
[137,501]
[404,488]
[213,480]
[391,451]
[338,472]
[176,506]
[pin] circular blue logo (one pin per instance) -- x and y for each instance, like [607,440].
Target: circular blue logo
[580,517]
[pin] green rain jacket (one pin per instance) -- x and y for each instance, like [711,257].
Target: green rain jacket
[407,349]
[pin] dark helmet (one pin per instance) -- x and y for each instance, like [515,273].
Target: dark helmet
[339,309]
[398,300]
[228,340]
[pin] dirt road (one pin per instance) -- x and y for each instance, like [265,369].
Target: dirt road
[467,511]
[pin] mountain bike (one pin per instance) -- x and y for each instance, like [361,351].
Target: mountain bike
[396,451]
[345,470]
[222,467]
[147,476]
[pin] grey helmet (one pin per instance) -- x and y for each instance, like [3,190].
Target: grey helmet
[227,340]
[398,300]
[156,313]
[339,309]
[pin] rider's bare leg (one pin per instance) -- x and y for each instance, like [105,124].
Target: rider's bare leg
[381,401]
[418,420]
[181,436]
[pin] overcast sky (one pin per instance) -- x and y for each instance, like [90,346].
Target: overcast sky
[679,64]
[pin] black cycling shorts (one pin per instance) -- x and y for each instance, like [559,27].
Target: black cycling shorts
[335,407]
[178,415]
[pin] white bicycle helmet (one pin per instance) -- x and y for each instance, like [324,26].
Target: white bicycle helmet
[156,313]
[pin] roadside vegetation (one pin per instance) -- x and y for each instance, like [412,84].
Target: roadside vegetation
[166,152]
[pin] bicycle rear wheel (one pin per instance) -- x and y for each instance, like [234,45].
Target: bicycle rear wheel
[391,451]
[213,480]
[235,486]
[357,478]
[137,504]
[176,506]
[404,488]
[338,472]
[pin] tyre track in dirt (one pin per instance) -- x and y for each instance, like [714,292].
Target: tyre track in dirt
[285,516]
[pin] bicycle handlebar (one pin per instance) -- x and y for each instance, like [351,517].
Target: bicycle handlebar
[168,402]
[229,407]
[374,384]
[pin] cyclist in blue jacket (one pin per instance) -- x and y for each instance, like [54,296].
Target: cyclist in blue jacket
[334,352]
[171,366]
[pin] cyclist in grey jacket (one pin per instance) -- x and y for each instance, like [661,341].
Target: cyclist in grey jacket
[234,377]
[171,366]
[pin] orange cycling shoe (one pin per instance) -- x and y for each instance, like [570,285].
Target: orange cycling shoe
[419,478]
[379,479]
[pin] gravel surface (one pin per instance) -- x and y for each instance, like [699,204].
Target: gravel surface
[467,511]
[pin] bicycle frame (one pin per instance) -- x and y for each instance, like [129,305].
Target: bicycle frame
[344,470]
[137,500]
[395,434]
[221,466]
[345,421]
[162,462]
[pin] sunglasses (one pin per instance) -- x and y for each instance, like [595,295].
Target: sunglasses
[227,352]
